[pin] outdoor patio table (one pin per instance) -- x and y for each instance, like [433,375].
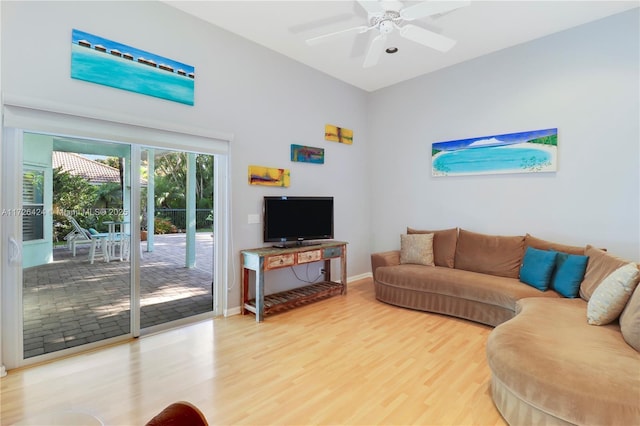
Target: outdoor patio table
[116,237]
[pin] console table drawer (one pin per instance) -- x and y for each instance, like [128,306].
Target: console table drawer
[309,256]
[272,262]
[332,252]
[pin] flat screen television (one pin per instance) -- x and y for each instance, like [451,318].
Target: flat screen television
[297,219]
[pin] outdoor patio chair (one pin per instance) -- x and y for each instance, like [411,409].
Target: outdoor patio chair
[101,243]
[78,235]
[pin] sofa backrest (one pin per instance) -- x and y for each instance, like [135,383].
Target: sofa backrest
[444,245]
[600,265]
[489,254]
[540,244]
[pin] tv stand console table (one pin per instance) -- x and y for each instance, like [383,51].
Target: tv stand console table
[266,259]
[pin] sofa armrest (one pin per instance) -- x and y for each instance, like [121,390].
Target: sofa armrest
[387,258]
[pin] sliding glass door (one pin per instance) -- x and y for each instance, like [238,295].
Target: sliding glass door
[176,280]
[76,276]
[105,239]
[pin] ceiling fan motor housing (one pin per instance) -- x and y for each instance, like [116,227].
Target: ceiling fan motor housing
[385,22]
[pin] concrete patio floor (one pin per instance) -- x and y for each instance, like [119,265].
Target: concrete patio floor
[70,302]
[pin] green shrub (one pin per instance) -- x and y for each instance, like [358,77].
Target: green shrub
[163,226]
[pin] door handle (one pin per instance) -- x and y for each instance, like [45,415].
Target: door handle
[14,251]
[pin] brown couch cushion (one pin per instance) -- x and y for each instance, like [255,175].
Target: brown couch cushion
[489,254]
[549,357]
[630,321]
[444,245]
[600,265]
[531,241]
[461,284]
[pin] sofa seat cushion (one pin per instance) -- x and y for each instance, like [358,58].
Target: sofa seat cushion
[488,289]
[550,357]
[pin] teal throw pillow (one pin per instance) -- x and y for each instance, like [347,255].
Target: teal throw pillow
[93,231]
[537,267]
[569,273]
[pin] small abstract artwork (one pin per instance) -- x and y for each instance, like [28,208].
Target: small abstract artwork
[269,176]
[102,61]
[307,154]
[338,134]
[525,152]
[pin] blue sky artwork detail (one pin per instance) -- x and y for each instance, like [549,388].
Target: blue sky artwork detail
[525,152]
[99,60]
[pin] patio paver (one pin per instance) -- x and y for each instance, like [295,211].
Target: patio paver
[70,302]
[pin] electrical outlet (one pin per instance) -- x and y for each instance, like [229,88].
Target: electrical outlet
[322,271]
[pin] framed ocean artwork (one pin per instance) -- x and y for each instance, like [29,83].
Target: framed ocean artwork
[269,176]
[307,154]
[338,134]
[102,61]
[533,151]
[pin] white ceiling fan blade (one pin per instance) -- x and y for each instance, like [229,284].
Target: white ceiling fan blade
[375,50]
[327,37]
[427,38]
[428,8]
[371,6]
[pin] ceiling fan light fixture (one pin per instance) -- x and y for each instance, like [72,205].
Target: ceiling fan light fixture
[385,26]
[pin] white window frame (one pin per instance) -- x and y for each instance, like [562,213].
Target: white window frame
[35,116]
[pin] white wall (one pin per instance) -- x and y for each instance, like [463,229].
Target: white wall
[264,99]
[584,81]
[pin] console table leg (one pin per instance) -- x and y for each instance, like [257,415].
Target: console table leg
[260,292]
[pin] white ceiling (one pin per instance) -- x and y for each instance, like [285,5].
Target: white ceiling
[480,28]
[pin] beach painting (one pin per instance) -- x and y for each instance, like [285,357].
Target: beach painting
[338,134]
[307,154]
[525,152]
[102,61]
[269,176]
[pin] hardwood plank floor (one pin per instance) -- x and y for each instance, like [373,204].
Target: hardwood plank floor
[345,360]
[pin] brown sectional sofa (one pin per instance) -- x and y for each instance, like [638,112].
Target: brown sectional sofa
[548,364]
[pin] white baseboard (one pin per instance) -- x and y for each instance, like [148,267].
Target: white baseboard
[360,277]
[232,311]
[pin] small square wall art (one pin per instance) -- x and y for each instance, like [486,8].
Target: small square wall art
[307,154]
[533,151]
[338,134]
[269,176]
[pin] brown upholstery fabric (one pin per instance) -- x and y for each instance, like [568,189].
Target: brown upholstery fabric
[179,413]
[444,245]
[518,411]
[550,358]
[630,320]
[479,297]
[600,265]
[489,254]
[386,258]
[537,243]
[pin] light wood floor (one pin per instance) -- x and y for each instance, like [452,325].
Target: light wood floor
[345,360]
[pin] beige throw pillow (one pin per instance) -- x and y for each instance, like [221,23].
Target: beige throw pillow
[610,297]
[444,245]
[417,249]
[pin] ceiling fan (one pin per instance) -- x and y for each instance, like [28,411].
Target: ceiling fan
[387,16]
